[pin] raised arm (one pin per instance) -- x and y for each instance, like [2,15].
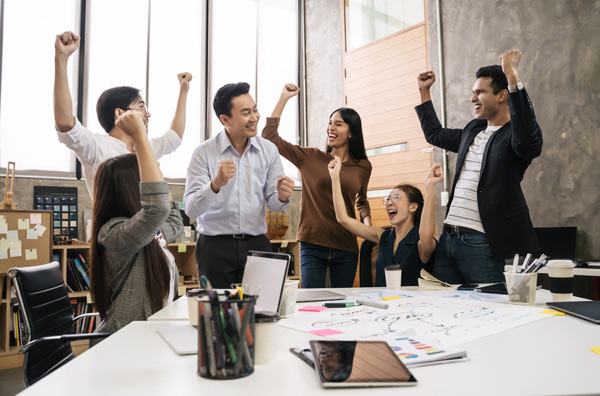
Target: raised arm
[132,124]
[424,82]
[352,225]
[178,123]
[427,226]
[288,92]
[65,44]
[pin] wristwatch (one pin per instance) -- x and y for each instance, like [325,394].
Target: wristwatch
[517,86]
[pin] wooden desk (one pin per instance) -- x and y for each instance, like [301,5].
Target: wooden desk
[549,356]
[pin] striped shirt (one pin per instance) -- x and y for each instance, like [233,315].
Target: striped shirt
[464,211]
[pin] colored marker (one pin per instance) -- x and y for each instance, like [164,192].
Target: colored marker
[373,303]
[338,304]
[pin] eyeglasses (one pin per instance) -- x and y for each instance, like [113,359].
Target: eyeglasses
[142,107]
[394,198]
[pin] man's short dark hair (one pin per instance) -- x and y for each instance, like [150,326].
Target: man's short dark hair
[112,99]
[499,81]
[222,101]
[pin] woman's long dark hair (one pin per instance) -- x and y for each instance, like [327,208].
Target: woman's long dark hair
[117,194]
[356,144]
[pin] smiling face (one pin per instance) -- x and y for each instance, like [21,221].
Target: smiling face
[338,132]
[398,208]
[243,122]
[486,103]
[140,106]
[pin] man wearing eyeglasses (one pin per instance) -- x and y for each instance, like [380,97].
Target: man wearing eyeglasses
[92,149]
[487,220]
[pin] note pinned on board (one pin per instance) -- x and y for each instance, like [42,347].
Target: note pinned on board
[31,234]
[35,218]
[30,254]
[3,229]
[39,229]
[3,255]
[4,245]
[15,253]
[2,221]
[12,235]
[326,332]
[23,224]
[181,248]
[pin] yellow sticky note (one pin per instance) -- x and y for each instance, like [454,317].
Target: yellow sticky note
[595,350]
[391,298]
[181,290]
[23,224]
[553,312]
[89,299]
[284,244]
[30,254]
[181,248]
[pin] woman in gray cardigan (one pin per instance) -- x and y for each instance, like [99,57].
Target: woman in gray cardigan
[132,275]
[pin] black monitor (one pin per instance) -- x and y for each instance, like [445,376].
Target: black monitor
[557,242]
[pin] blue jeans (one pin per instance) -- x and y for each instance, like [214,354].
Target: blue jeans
[315,259]
[466,258]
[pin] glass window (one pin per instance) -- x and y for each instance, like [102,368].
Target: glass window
[176,45]
[370,20]
[27,133]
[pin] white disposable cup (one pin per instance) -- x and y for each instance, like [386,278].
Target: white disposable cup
[266,338]
[393,278]
[288,298]
[192,310]
[559,271]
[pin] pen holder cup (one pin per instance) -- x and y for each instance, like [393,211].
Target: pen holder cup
[521,287]
[226,338]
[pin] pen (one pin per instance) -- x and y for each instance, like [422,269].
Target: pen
[373,303]
[525,262]
[338,304]
[209,341]
[515,263]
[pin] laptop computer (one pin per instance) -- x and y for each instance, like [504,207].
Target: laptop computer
[265,275]
[588,310]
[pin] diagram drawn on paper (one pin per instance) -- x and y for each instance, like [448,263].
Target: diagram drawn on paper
[450,321]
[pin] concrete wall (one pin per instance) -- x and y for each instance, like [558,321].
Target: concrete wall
[560,70]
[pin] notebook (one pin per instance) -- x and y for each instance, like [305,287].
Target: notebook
[305,295]
[265,275]
[182,338]
[588,310]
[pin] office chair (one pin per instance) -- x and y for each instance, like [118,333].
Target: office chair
[48,319]
[365,259]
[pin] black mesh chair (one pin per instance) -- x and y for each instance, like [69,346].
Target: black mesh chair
[48,319]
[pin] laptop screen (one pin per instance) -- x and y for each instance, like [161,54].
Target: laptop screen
[265,275]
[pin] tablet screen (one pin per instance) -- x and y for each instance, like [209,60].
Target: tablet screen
[359,363]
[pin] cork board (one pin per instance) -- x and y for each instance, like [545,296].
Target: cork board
[25,238]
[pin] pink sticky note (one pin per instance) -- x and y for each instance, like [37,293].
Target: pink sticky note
[312,308]
[325,332]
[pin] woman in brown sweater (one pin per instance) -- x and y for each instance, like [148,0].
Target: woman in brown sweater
[324,242]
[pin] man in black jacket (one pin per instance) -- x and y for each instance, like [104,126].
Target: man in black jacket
[487,219]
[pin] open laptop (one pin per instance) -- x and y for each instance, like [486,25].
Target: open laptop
[265,275]
[588,310]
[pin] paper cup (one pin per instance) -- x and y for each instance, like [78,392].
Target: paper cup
[266,328]
[393,277]
[560,277]
[288,298]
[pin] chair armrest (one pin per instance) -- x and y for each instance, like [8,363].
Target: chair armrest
[85,316]
[64,338]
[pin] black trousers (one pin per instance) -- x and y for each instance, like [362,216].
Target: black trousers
[222,258]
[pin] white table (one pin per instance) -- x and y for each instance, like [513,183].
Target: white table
[549,356]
